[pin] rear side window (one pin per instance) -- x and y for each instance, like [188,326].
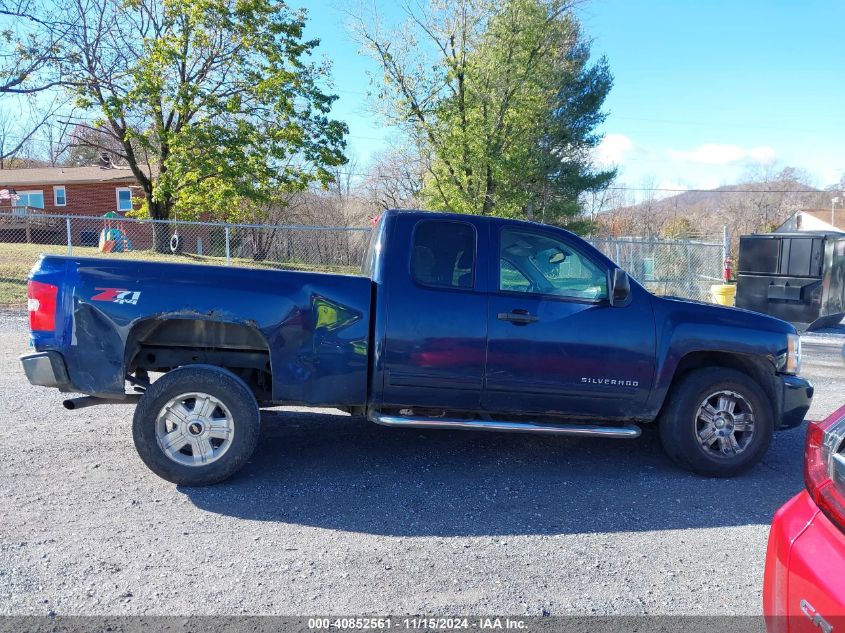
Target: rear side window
[444,254]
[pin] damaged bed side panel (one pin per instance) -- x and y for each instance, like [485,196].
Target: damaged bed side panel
[315,326]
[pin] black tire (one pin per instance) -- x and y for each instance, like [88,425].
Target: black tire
[223,386]
[679,426]
[175,244]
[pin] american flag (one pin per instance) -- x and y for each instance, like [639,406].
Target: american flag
[5,194]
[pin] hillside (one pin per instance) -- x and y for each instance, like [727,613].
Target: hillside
[745,207]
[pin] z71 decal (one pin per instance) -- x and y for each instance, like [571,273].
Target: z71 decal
[117,295]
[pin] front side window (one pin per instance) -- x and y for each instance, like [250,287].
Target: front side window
[124,199]
[538,263]
[59,197]
[444,254]
[511,280]
[33,199]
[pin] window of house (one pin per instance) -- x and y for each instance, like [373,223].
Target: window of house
[59,196]
[124,199]
[538,263]
[444,254]
[33,199]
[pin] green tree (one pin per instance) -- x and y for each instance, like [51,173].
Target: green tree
[504,107]
[214,104]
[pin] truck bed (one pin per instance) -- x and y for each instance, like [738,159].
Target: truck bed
[313,327]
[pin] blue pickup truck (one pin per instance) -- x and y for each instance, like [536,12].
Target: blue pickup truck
[458,322]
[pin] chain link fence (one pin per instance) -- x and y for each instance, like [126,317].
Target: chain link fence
[668,267]
[24,236]
[680,268]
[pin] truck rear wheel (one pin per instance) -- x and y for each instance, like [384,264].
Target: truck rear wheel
[718,422]
[196,425]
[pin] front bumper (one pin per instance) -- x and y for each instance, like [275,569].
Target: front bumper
[796,396]
[46,369]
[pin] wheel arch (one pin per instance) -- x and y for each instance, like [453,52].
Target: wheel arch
[756,368]
[162,344]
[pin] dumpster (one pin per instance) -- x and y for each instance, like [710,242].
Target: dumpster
[797,277]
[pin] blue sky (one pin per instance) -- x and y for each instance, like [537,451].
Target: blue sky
[704,90]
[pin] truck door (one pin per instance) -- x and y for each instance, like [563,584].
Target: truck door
[555,345]
[436,317]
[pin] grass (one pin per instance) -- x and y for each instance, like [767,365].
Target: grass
[16,260]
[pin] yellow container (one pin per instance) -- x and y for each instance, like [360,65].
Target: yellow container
[723,294]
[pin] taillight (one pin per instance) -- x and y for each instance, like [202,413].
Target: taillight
[824,465]
[41,302]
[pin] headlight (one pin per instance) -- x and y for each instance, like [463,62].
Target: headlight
[792,360]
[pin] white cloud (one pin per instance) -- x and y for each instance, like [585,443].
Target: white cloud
[613,148]
[716,154]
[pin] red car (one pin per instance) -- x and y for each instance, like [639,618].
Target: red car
[804,583]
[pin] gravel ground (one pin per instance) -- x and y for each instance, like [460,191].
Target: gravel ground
[335,515]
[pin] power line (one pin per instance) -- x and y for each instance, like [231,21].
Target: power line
[620,188]
[670,190]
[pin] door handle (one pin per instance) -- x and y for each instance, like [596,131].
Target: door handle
[519,317]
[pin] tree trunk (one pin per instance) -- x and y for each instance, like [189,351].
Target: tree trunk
[490,189]
[161,230]
[261,243]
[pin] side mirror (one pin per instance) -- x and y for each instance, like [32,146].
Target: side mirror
[620,288]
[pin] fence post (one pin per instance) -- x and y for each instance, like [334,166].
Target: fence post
[228,250]
[69,241]
[726,245]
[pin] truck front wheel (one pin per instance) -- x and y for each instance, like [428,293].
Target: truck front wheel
[717,422]
[196,425]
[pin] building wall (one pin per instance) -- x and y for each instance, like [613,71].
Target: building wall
[82,199]
[96,198]
[92,201]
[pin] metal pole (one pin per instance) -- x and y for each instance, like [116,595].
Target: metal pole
[726,244]
[228,250]
[69,241]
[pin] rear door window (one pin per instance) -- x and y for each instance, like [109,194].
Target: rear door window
[443,254]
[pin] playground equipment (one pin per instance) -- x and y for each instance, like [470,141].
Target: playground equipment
[113,237]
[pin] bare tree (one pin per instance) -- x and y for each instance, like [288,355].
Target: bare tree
[55,141]
[21,120]
[19,128]
[395,179]
[416,79]
[86,143]
[771,194]
[31,50]
[31,53]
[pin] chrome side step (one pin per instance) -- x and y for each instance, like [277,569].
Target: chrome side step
[590,430]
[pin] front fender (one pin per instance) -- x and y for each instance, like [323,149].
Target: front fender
[686,328]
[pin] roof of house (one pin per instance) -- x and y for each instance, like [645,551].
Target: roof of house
[64,175]
[825,216]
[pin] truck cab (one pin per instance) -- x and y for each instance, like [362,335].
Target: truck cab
[518,319]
